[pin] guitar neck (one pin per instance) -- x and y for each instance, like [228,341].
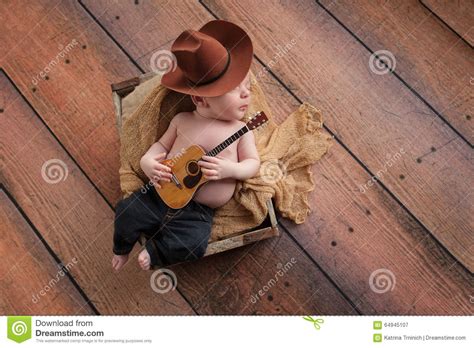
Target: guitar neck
[228,141]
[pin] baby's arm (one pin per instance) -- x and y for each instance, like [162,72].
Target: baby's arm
[150,161]
[249,160]
[217,167]
[164,144]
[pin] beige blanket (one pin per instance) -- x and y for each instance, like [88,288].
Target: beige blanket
[287,152]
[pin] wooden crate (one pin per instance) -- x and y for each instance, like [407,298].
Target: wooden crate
[267,229]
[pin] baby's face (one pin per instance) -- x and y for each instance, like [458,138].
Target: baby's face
[233,104]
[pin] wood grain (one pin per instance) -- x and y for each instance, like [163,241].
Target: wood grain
[70,214]
[459,15]
[350,234]
[429,57]
[64,66]
[93,151]
[221,269]
[32,282]
[393,133]
[328,200]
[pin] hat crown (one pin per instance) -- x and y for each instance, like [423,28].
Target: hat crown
[209,62]
[201,57]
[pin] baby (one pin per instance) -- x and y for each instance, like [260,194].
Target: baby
[221,100]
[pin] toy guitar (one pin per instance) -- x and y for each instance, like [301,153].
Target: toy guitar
[187,177]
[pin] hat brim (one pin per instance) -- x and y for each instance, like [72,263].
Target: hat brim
[236,40]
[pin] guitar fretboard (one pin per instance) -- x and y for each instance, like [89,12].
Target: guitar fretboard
[228,141]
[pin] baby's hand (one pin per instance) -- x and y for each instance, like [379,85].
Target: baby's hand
[215,168]
[155,170]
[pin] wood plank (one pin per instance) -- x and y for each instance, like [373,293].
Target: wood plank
[428,56]
[70,214]
[80,62]
[417,157]
[268,277]
[235,266]
[58,32]
[459,15]
[19,24]
[351,235]
[339,166]
[32,282]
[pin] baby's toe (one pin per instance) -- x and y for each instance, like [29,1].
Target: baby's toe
[144,259]
[146,265]
[115,263]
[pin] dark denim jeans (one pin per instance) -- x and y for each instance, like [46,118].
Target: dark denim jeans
[173,235]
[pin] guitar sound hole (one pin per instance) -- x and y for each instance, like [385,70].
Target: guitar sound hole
[193,168]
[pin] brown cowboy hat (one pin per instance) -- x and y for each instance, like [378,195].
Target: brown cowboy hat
[210,62]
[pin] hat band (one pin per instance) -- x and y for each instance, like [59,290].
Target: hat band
[217,76]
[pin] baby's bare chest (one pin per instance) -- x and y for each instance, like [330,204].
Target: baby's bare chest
[207,135]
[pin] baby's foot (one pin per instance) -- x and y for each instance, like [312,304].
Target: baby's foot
[118,261]
[144,260]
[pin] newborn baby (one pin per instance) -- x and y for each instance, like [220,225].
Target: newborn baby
[213,67]
[213,121]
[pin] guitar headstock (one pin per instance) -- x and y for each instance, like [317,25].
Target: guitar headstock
[257,120]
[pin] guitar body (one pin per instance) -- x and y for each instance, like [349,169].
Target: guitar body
[188,177]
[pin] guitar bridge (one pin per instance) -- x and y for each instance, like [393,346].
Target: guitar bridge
[176,181]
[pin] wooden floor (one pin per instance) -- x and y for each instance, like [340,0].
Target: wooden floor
[391,231]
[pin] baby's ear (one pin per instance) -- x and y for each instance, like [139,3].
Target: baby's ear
[199,101]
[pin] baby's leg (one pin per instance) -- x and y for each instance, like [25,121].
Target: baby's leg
[118,261]
[185,237]
[140,212]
